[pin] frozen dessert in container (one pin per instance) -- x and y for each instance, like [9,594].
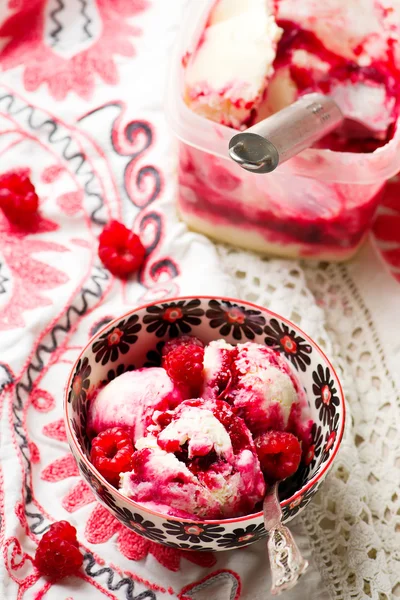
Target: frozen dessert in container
[209,457]
[233,62]
[319,204]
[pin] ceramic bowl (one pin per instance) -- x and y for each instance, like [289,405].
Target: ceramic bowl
[136,339]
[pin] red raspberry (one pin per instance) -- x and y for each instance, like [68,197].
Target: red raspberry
[18,197]
[57,554]
[184,365]
[111,453]
[120,250]
[184,340]
[279,454]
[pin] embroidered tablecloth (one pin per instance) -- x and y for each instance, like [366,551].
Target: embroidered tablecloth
[81,96]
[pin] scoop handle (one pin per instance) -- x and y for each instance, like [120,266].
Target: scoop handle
[286,562]
[264,146]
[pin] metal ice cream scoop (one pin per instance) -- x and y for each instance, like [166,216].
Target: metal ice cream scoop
[277,138]
[274,140]
[286,562]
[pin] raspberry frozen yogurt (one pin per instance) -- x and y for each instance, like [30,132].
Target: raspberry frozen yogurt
[233,62]
[202,463]
[256,57]
[130,400]
[256,380]
[209,457]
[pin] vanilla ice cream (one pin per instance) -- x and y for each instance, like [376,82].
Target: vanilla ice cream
[256,380]
[201,464]
[130,400]
[226,76]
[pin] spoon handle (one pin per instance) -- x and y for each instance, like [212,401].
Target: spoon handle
[286,562]
[264,146]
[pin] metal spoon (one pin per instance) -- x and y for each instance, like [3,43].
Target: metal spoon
[286,562]
[274,140]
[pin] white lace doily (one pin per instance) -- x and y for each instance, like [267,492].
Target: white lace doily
[353,524]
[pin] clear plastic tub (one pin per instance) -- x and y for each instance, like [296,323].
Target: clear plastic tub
[319,204]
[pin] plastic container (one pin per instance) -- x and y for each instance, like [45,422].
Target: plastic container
[319,204]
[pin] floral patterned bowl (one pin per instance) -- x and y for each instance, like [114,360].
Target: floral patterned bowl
[136,340]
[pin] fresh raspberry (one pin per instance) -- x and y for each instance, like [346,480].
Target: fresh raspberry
[184,340]
[18,197]
[184,365]
[120,250]
[279,454]
[111,453]
[57,554]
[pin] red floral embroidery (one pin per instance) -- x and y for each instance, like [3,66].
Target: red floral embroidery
[78,497]
[42,400]
[52,173]
[60,469]
[56,430]
[18,564]
[27,47]
[71,202]
[34,452]
[101,526]
[30,277]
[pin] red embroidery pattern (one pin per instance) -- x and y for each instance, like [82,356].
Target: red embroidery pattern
[56,430]
[61,468]
[42,592]
[143,184]
[15,561]
[52,173]
[2,514]
[80,188]
[31,277]
[71,202]
[27,46]
[101,526]
[78,497]
[34,452]
[41,400]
